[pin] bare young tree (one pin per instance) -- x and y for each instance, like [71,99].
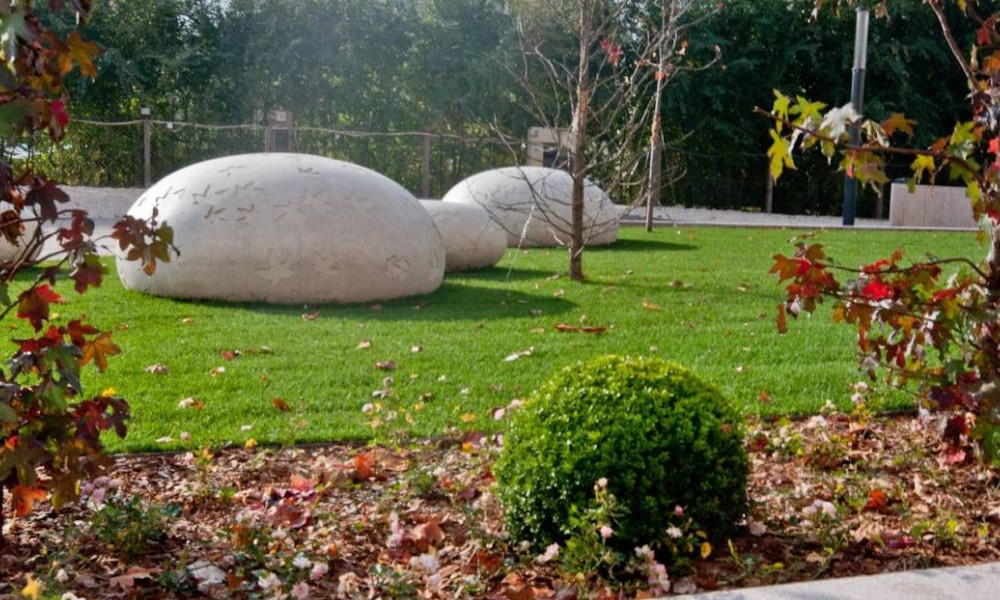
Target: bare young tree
[609,62]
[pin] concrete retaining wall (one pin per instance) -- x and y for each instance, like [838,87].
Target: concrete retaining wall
[102,203]
[930,206]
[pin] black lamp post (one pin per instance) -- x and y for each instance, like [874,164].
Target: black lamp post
[857,101]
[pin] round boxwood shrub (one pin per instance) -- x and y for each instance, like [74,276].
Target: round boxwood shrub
[660,436]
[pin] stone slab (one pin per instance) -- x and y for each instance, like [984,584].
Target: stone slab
[981,582]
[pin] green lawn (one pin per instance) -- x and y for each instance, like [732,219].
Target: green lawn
[716,315]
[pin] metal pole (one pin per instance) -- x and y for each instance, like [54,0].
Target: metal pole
[147,162]
[857,100]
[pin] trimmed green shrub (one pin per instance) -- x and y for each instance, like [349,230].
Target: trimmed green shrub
[660,436]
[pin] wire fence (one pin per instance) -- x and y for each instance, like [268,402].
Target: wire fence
[136,153]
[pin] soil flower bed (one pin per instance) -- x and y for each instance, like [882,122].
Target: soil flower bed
[831,496]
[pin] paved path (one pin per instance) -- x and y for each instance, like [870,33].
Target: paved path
[981,582]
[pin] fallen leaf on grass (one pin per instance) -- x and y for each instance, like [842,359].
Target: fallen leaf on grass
[280,404]
[187,321]
[519,354]
[385,365]
[191,402]
[650,305]
[364,345]
[215,371]
[230,354]
[567,328]
[416,349]
[310,316]
[559,293]
[537,330]
[764,397]
[157,369]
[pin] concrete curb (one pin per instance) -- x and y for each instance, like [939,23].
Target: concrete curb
[979,582]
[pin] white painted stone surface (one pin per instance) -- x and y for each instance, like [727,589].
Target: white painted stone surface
[9,251]
[472,240]
[534,203]
[289,228]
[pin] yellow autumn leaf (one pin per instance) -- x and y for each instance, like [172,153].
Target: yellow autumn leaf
[780,154]
[33,590]
[250,444]
[706,549]
[109,392]
[468,418]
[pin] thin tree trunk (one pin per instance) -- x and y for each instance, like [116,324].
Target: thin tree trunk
[579,133]
[655,157]
[668,27]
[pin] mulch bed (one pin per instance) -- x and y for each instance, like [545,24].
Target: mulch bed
[832,496]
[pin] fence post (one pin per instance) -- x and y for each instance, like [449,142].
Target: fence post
[425,165]
[147,158]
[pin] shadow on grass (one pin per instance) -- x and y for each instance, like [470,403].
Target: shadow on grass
[452,301]
[641,246]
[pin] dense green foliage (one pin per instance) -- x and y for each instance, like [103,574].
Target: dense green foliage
[453,66]
[660,437]
[768,45]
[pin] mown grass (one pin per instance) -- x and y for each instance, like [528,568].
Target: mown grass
[699,296]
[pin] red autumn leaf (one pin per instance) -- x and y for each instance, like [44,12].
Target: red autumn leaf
[46,196]
[78,331]
[487,561]
[34,305]
[230,354]
[612,50]
[426,535]
[58,109]
[877,290]
[24,499]
[98,350]
[52,337]
[878,501]
[89,273]
[362,466]
[280,404]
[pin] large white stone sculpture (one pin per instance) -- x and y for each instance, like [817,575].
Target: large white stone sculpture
[289,228]
[472,240]
[533,205]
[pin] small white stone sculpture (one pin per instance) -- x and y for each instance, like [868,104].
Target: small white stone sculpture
[533,205]
[289,228]
[472,240]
